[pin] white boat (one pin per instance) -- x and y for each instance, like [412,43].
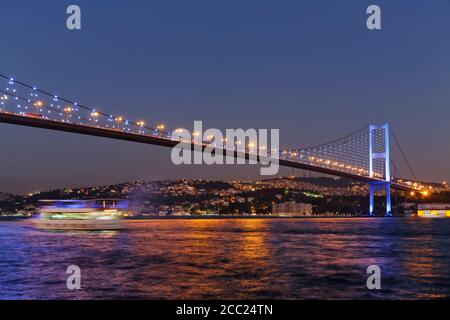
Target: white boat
[97,214]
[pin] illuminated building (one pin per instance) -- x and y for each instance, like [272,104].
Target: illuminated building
[292,209]
[433,210]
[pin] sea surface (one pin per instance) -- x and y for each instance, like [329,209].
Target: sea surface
[318,258]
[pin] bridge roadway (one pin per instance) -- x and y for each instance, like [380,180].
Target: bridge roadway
[17,119]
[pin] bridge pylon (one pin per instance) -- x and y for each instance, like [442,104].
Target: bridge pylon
[379,152]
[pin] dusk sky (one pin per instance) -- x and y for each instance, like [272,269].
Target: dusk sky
[310,68]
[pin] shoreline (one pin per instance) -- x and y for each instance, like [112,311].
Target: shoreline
[244,217]
[218,217]
[13,218]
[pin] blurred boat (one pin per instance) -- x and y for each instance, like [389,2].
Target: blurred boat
[96,214]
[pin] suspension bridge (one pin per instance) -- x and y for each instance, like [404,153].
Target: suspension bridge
[363,155]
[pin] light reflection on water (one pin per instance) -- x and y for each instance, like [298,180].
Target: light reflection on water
[230,259]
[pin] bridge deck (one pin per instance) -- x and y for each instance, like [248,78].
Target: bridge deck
[12,118]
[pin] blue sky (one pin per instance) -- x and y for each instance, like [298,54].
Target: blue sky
[310,68]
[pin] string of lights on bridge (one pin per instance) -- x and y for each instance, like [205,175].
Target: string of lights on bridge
[347,154]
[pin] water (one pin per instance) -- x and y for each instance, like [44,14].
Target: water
[230,259]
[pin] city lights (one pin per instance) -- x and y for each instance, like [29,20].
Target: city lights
[225,159]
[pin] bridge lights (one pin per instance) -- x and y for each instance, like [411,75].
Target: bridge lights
[160,127]
[196,137]
[3,99]
[67,111]
[141,125]
[94,116]
[179,132]
[252,147]
[38,104]
[118,121]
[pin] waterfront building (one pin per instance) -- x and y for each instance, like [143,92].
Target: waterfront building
[433,210]
[292,209]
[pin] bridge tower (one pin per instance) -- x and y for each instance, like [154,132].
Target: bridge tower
[377,153]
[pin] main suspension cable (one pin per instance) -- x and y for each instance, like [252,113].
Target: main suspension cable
[403,154]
